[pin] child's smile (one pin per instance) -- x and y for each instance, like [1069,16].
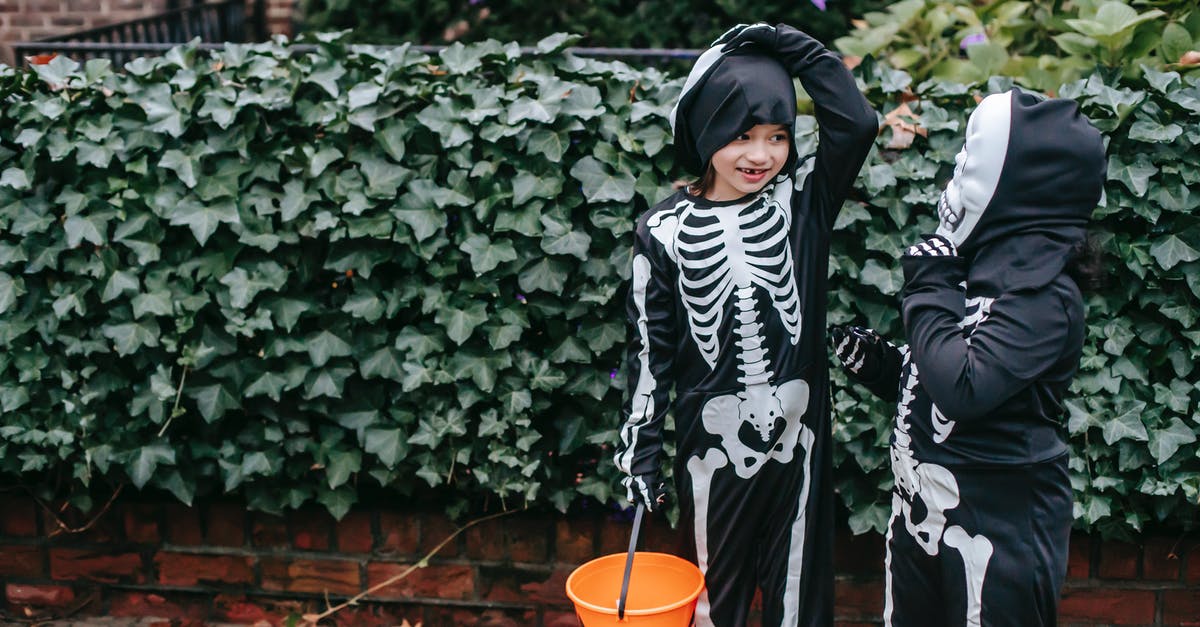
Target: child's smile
[746,164]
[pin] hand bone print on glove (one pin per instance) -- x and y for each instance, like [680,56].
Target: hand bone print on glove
[645,489]
[859,349]
[935,246]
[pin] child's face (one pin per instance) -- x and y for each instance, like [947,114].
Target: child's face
[746,164]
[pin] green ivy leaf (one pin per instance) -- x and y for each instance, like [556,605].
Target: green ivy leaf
[1127,425]
[1166,442]
[324,345]
[146,460]
[460,323]
[485,254]
[1171,250]
[601,186]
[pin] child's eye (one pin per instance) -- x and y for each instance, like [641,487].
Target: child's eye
[779,137]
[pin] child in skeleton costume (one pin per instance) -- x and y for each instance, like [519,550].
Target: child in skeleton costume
[728,307]
[982,505]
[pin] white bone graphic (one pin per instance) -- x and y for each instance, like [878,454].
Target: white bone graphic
[976,552]
[977,310]
[935,487]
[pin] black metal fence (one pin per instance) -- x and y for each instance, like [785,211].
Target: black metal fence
[224,21]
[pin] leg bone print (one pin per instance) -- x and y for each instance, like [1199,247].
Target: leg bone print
[936,489]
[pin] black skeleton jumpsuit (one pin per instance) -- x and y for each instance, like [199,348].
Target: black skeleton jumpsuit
[728,305]
[982,504]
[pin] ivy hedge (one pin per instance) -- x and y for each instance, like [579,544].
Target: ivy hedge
[312,276]
[619,23]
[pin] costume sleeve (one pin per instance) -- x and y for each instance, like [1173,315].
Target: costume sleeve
[650,358]
[883,382]
[847,123]
[1023,335]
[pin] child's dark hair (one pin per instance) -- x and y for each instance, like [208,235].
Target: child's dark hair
[702,185]
[1086,264]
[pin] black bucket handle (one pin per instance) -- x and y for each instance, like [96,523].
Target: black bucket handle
[633,541]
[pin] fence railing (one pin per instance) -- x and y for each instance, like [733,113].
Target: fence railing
[123,41]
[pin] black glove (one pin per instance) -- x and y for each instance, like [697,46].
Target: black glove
[860,350]
[761,34]
[646,489]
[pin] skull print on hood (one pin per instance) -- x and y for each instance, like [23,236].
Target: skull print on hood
[725,95]
[1025,185]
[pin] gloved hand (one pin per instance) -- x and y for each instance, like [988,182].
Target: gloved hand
[934,246]
[860,350]
[761,33]
[646,489]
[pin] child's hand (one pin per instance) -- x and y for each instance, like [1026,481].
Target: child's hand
[859,349]
[935,246]
[761,34]
[646,489]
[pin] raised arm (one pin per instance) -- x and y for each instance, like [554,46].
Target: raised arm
[1024,334]
[847,123]
[649,360]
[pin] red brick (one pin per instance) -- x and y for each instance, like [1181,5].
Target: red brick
[141,523]
[1160,559]
[41,596]
[575,540]
[354,533]
[19,516]
[21,561]
[183,525]
[1181,607]
[476,617]
[270,531]
[96,527]
[380,616]
[226,524]
[656,535]
[434,529]
[1110,606]
[1118,560]
[435,581]
[858,600]
[1079,557]
[316,576]
[192,609]
[549,591]
[311,529]
[253,611]
[561,619]
[503,584]
[96,566]
[1192,563]
[487,541]
[400,533]
[186,569]
[859,555]
[530,541]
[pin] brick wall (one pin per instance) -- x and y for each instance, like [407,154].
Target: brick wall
[26,20]
[219,563]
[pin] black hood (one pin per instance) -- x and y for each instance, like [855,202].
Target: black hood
[725,95]
[1050,182]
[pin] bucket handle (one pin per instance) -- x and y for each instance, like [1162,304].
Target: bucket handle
[633,540]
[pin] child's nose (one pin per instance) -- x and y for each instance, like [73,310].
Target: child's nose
[758,152]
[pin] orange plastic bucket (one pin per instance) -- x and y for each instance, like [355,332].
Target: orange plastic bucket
[662,590]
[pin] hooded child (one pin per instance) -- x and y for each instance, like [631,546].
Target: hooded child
[728,305]
[982,504]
